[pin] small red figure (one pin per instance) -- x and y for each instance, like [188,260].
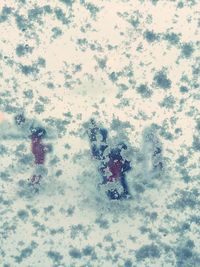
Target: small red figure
[39,151]
[38,148]
[115,167]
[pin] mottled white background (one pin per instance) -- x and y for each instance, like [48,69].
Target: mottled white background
[87,59]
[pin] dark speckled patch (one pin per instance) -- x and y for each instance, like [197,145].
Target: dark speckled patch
[115,179]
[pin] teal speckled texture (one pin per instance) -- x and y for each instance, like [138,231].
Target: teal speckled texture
[132,67]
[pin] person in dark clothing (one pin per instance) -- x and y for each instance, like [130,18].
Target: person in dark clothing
[112,165]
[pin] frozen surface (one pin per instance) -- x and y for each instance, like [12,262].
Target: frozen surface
[133,67]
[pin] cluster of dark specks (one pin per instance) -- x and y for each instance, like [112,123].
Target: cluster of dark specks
[161,80]
[39,221]
[103,223]
[26,252]
[144,91]
[55,256]
[147,251]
